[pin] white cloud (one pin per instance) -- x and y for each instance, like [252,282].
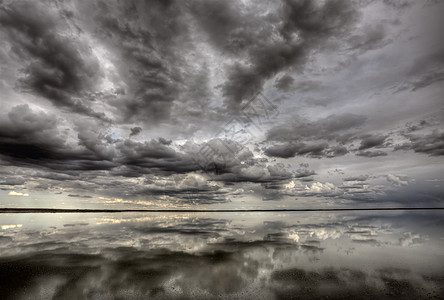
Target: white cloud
[397,180]
[14,193]
[319,187]
[4,227]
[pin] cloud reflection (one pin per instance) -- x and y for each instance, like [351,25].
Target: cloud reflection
[237,256]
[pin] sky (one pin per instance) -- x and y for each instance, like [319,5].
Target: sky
[221,104]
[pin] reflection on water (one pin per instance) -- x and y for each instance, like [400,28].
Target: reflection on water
[222,255]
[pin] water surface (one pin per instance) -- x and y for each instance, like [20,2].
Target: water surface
[260,255]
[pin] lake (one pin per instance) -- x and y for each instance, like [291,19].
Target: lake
[230,255]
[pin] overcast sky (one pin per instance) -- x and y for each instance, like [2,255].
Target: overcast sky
[226,104]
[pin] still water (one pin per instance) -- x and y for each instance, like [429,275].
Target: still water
[261,255]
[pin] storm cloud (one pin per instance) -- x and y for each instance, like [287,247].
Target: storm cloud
[177,103]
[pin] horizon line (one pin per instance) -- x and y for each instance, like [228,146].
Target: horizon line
[81,210]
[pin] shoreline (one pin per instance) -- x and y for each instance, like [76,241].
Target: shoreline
[73,210]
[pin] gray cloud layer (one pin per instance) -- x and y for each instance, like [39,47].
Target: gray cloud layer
[121,98]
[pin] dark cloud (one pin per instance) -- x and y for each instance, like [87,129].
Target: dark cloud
[333,127]
[293,149]
[23,123]
[134,151]
[375,153]
[357,178]
[303,27]
[31,137]
[156,155]
[149,52]
[181,194]
[302,149]
[164,141]
[79,196]
[279,171]
[79,81]
[371,141]
[219,155]
[283,151]
[135,131]
[75,224]
[12,181]
[228,28]
[26,134]
[94,141]
[57,68]
[300,173]
[285,83]
[431,144]
[336,151]
[410,127]
[304,137]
